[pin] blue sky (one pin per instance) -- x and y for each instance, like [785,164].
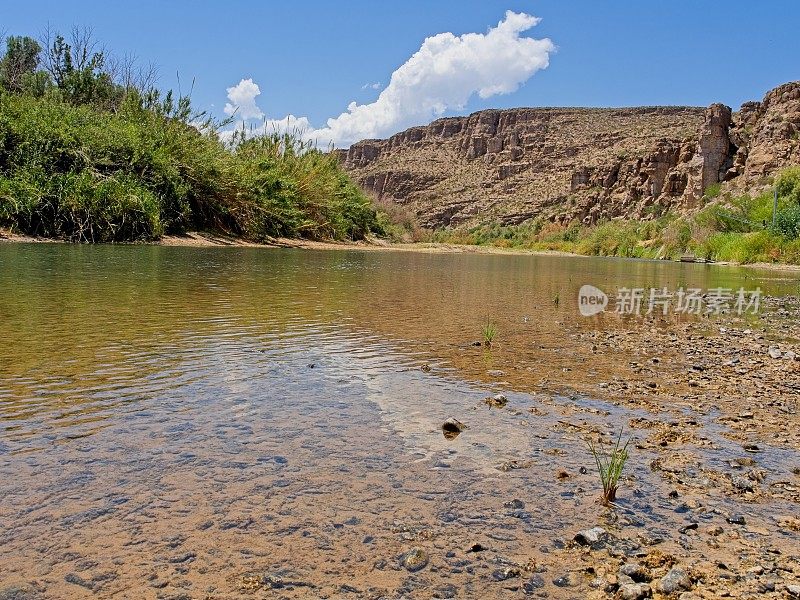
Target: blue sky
[313,58]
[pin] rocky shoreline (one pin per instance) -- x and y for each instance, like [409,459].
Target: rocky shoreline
[702,384]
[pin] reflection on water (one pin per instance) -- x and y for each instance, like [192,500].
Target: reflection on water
[176,418]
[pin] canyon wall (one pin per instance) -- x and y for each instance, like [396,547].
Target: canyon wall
[578,164]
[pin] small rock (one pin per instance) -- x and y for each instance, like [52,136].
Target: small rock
[742,484]
[595,538]
[634,591]
[637,572]
[689,527]
[415,559]
[447,590]
[775,352]
[452,427]
[497,401]
[534,583]
[504,574]
[736,519]
[676,580]
[793,591]
[561,582]
[514,504]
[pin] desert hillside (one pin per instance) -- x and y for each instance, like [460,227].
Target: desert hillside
[578,164]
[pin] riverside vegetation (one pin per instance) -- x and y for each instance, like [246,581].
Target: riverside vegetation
[91,151]
[728,228]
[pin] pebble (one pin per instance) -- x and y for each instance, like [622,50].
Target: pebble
[451,428]
[497,401]
[415,560]
[634,591]
[736,519]
[595,537]
[534,583]
[637,572]
[447,590]
[677,579]
[504,574]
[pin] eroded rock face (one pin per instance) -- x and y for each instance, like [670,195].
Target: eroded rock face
[770,131]
[575,164]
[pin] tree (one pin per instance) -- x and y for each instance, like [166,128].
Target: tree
[20,62]
[77,68]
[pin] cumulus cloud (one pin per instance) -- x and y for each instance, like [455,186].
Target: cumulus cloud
[442,75]
[242,98]
[371,86]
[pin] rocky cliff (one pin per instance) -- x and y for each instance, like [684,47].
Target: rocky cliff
[583,164]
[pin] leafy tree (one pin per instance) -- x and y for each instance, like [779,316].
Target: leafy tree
[19,63]
[77,69]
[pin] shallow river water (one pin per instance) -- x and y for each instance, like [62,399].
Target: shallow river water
[245,422]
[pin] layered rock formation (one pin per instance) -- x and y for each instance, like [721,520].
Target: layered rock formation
[567,164]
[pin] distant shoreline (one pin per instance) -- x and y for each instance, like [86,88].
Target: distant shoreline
[196,239]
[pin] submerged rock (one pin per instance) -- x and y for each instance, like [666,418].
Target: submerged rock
[452,427]
[497,401]
[504,574]
[533,584]
[415,560]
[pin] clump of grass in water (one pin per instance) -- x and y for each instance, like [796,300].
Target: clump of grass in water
[610,465]
[489,332]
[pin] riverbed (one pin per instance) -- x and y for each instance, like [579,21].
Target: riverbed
[240,422]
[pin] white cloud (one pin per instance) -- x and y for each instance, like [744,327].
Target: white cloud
[442,75]
[371,86]
[242,98]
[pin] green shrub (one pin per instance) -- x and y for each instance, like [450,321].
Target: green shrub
[90,175]
[787,222]
[788,184]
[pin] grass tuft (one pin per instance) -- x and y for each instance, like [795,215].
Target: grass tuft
[489,332]
[610,466]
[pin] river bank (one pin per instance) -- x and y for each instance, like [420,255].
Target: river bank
[196,239]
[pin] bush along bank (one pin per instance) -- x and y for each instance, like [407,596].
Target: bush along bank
[89,156]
